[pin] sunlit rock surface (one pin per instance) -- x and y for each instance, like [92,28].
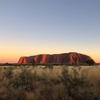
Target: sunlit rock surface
[64,58]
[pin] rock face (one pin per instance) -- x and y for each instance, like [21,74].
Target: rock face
[64,58]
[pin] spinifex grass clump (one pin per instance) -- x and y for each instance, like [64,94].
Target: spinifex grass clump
[24,80]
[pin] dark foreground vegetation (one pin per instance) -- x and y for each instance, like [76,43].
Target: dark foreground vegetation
[24,83]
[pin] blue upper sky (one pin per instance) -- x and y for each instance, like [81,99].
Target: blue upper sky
[29,27]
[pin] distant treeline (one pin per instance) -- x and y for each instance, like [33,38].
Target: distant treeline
[16,64]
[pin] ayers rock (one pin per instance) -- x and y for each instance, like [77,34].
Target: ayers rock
[64,58]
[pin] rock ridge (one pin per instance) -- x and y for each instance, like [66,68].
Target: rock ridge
[63,58]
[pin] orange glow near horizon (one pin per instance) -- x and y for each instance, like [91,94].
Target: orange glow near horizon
[12,54]
[8,60]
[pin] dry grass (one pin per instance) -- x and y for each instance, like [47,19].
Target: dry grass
[49,83]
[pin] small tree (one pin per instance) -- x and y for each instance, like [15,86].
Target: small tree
[33,63]
[90,62]
[76,63]
[73,83]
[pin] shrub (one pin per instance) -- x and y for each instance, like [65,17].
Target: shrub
[33,63]
[72,82]
[90,62]
[49,66]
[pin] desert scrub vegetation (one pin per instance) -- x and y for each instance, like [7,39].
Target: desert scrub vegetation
[42,83]
[90,62]
[77,86]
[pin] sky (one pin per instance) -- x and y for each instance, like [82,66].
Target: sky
[31,27]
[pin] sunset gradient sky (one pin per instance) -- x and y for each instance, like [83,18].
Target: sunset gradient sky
[30,27]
